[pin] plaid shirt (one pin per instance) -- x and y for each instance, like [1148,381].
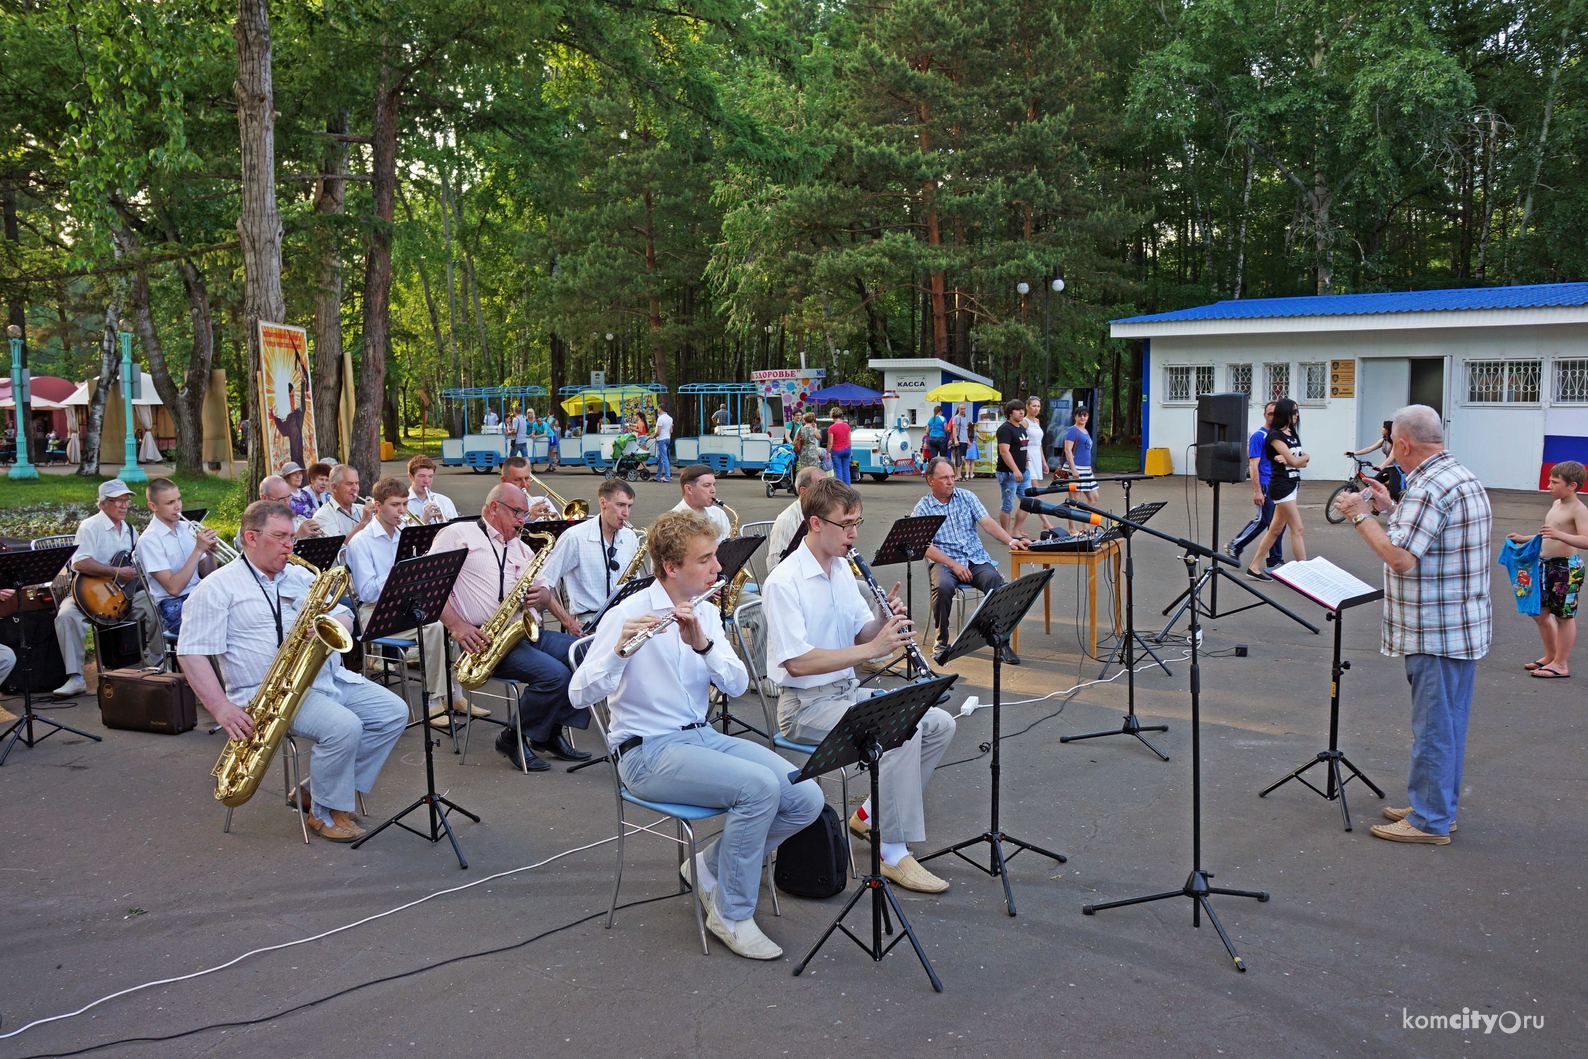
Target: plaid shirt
[1441,606]
[957,538]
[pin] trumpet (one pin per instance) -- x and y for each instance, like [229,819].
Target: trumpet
[223,551]
[635,642]
[572,510]
[411,519]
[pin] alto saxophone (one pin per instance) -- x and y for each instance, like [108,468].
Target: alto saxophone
[310,641]
[730,598]
[502,630]
[639,556]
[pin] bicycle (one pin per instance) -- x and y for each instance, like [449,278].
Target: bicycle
[1356,483]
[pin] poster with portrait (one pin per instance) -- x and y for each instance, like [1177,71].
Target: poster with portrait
[286,395]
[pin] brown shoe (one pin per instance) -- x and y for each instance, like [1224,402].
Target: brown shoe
[1392,813]
[331,832]
[1401,831]
[909,874]
[858,827]
[303,793]
[344,819]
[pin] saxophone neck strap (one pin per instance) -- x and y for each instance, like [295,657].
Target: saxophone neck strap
[501,560]
[275,604]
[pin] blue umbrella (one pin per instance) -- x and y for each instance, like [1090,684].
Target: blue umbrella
[844,393]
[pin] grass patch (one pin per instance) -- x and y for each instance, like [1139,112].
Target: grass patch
[56,503]
[1118,459]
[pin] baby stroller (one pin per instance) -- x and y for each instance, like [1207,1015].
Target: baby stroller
[629,458]
[780,468]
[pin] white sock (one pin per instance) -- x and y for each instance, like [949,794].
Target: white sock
[731,924]
[894,852]
[703,875]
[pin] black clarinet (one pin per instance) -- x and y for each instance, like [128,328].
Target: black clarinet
[919,670]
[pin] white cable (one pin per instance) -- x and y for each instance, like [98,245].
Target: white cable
[303,941]
[1088,683]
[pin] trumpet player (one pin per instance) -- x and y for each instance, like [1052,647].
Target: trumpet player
[497,557]
[658,732]
[343,515]
[516,471]
[239,616]
[590,557]
[425,503]
[819,628]
[175,552]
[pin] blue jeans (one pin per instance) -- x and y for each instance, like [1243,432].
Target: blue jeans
[1441,703]
[664,458]
[542,673]
[1009,484]
[841,465]
[354,727]
[170,610]
[1254,529]
[748,781]
[519,448]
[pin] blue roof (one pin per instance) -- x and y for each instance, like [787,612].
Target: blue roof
[1534,296]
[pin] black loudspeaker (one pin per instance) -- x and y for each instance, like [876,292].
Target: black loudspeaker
[1221,437]
[47,669]
[118,646]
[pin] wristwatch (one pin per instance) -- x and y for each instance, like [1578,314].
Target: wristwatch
[1358,518]
[705,650]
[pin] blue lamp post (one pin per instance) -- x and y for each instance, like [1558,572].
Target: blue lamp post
[130,471]
[19,379]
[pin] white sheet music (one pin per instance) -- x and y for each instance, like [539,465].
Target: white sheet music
[1321,580]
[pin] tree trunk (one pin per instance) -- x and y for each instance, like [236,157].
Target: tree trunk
[389,417]
[377,275]
[1543,140]
[16,313]
[1240,240]
[109,373]
[258,222]
[330,200]
[452,290]
[654,307]
[559,369]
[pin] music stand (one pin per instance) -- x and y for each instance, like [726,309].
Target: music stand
[554,526]
[16,570]
[732,554]
[415,591]
[907,541]
[1331,759]
[197,514]
[795,541]
[619,594]
[321,551]
[416,540]
[992,626]
[866,731]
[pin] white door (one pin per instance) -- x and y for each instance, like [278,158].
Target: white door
[1383,387]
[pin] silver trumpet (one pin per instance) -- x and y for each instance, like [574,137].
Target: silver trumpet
[635,642]
[223,551]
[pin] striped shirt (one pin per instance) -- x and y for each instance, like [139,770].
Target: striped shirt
[957,538]
[1441,606]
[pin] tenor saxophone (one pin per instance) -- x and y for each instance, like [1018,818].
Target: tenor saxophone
[639,555]
[503,629]
[310,641]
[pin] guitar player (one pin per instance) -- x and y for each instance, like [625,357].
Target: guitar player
[103,540]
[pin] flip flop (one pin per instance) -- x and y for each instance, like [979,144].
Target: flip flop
[1530,666]
[1546,673]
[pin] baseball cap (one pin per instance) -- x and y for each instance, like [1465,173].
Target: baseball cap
[113,488]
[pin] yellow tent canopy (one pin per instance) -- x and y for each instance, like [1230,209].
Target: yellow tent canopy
[616,398]
[964,391]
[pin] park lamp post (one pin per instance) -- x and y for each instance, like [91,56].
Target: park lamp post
[1056,286]
[131,473]
[19,383]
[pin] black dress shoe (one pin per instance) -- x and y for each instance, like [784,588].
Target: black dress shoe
[509,747]
[560,748]
[1008,657]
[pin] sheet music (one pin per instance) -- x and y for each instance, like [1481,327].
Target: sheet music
[1324,582]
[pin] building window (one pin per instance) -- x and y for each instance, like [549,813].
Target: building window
[1177,385]
[1315,379]
[1503,381]
[1276,382]
[1571,381]
[1241,379]
[1204,379]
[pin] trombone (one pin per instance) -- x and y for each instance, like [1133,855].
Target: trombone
[223,551]
[572,510]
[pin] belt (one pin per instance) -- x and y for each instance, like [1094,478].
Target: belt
[635,740]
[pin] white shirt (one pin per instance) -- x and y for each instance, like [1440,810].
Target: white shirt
[100,539]
[716,514]
[579,560]
[808,608]
[664,427]
[1034,457]
[783,530]
[231,615]
[449,510]
[370,556]
[165,548]
[662,686]
[335,521]
[491,419]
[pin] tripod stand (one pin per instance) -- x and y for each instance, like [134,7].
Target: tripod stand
[1196,887]
[416,590]
[869,729]
[16,570]
[991,626]
[1210,580]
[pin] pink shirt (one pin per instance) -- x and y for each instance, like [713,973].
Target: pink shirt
[493,565]
[838,436]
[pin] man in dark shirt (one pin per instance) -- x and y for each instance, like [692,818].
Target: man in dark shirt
[1011,469]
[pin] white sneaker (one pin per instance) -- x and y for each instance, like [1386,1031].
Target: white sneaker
[745,939]
[73,687]
[687,870]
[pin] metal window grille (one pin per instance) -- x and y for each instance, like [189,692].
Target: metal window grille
[1276,381]
[1571,381]
[1316,377]
[1522,378]
[1504,381]
[1485,381]
[1241,379]
[1204,379]
[1176,384]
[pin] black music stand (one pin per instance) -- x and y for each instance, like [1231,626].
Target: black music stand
[992,626]
[619,594]
[16,570]
[415,591]
[1333,758]
[321,551]
[869,729]
[416,540]
[197,514]
[1196,887]
[554,526]
[732,554]
[1126,651]
[907,541]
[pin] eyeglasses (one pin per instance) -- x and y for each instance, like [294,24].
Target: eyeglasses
[518,513]
[844,525]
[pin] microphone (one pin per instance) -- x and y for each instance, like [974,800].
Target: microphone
[1056,487]
[1037,507]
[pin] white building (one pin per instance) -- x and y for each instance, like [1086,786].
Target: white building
[912,378]
[1507,368]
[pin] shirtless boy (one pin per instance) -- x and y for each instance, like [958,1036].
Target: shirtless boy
[1560,569]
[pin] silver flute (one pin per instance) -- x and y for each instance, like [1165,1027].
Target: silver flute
[635,642]
[919,670]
